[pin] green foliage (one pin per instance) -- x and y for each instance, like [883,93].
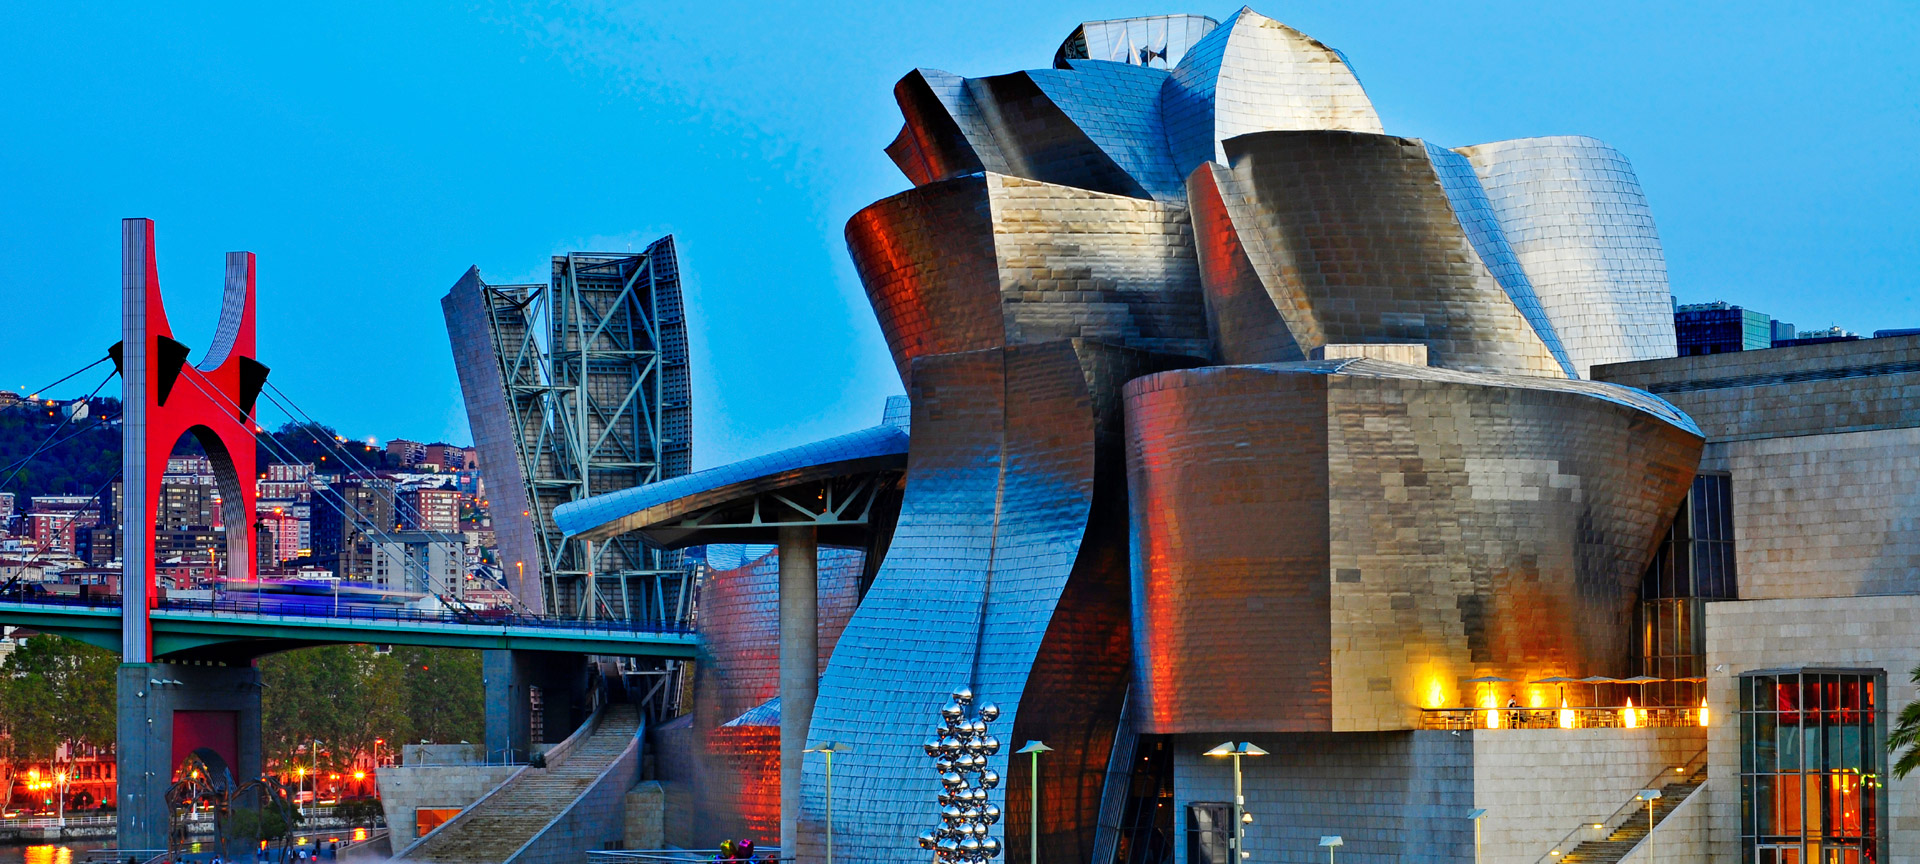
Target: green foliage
[359,811]
[316,444]
[262,823]
[1905,735]
[76,466]
[346,696]
[55,691]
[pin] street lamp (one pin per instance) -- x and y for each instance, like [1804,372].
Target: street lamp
[1332,842]
[1244,748]
[1649,796]
[829,748]
[1033,820]
[60,780]
[1476,815]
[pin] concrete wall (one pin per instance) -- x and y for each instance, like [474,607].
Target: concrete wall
[1539,784]
[405,790]
[646,806]
[1855,632]
[1395,797]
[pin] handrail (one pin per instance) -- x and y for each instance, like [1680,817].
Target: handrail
[633,747]
[266,607]
[593,722]
[1633,808]
[764,855]
[1584,717]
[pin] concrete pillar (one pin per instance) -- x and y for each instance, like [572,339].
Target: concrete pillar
[507,677]
[507,723]
[166,711]
[799,665]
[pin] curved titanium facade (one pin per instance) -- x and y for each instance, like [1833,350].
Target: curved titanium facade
[1353,240]
[1328,546]
[1157,41]
[1578,221]
[739,674]
[982,262]
[1006,573]
[1255,74]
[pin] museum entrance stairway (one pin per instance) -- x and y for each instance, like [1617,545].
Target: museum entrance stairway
[1630,829]
[536,807]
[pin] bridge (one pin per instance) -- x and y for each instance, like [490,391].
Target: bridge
[232,630]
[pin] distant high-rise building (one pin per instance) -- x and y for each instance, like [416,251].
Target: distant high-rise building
[347,520]
[430,509]
[1782,331]
[1719,328]
[420,561]
[404,452]
[1817,337]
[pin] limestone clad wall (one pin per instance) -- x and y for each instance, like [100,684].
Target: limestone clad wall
[1827,515]
[1539,784]
[1852,632]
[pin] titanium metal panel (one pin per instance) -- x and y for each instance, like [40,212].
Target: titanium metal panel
[1483,229]
[982,262]
[1255,74]
[1118,107]
[1580,225]
[1354,241]
[1005,573]
[1331,545]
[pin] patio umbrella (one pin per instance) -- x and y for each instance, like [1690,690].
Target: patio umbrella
[1562,681]
[1596,681]
[1643,681]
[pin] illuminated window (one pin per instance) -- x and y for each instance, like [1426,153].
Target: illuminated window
[1813,745]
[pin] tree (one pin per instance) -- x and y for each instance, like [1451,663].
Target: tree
[56,692]
[346,697]
[1905,734]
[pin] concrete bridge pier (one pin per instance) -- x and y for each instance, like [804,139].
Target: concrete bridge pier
[165,712]
[515,682]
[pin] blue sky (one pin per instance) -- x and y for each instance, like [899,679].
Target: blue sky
[369,153]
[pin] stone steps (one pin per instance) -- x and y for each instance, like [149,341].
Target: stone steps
[1622,841]
[505,822]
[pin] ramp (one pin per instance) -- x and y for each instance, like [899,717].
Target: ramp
[533,817]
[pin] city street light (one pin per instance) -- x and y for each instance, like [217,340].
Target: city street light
[1332,842]
[1650,795]
[60,781]
[1244,748]
[1476,815]
[829,749]
[1033,820]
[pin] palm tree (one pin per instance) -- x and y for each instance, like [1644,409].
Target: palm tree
[1906,734]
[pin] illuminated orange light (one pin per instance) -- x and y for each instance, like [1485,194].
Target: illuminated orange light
[1435,696]
[1627,717]
[1566,714]
[1704,714]
[1493,712]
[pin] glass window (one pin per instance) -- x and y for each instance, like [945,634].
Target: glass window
[1812,758]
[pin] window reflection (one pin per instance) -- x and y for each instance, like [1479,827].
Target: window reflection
[1812,760]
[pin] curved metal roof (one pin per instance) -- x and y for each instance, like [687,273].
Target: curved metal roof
[600,516]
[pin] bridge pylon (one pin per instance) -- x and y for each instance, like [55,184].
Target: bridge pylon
[165,707]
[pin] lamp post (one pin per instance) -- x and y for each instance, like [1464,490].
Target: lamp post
[1332,842]
[1650,795]
[1476,815]
[1033,820]
[60,782]
[829,749]
[1244,748]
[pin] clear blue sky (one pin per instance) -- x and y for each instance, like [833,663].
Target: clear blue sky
[369,154]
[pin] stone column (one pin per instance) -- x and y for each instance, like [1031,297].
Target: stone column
[799,665]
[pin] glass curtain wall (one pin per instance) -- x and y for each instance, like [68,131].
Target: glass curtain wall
[1694,564]
[1813,761]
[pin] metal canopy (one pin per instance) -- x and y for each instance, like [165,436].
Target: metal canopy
[846,487]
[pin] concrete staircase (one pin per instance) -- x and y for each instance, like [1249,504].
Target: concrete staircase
[500,824]
[1633,829]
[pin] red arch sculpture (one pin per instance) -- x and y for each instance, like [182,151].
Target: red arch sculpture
[164,397]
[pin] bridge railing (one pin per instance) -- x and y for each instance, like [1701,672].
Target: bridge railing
[305,607]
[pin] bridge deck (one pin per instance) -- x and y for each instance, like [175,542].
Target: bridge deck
[225,628]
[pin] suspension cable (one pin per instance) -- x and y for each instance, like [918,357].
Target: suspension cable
[34,394]
[22,464]
[287,457]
